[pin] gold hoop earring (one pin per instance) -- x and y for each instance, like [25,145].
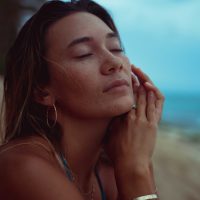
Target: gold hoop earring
[56,117]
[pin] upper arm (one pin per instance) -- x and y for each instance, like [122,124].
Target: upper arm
[34,178]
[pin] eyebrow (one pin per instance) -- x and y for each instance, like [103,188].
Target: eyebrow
[88,39]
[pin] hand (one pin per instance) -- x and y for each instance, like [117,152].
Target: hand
[147,82]
[131,137]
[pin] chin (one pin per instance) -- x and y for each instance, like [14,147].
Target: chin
[121,107]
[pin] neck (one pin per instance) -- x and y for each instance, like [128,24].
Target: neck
[81,145]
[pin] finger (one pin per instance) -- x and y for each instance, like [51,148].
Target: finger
[129,118]
[141,75]
[151,107]
[141,103]
[135,81]
[133,72]
[159,99]
[131,114]
[159,108]
[135,86]
[136,99]
[150,86]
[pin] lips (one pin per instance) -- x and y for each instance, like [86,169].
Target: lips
[116,83]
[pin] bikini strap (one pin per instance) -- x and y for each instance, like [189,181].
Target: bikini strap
[103,194]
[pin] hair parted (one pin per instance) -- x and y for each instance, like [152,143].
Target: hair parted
[27,70]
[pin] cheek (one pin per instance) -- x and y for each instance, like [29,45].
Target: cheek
[126,62]
[80,92]
[77,86]
[81,82]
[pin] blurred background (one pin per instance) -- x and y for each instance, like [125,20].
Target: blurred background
[162,37]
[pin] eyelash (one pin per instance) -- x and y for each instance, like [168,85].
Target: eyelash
[83,56]
[90,54]
[117,50]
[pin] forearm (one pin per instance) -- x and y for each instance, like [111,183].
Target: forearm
[135,183]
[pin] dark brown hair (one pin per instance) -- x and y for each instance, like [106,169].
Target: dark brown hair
[27,71]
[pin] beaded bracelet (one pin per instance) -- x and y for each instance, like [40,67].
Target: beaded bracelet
[147,197]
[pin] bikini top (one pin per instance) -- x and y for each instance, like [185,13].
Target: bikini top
[62,161]
[69,175]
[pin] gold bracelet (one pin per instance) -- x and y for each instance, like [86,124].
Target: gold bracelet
[147,197]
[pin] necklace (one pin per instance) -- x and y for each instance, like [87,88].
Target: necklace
[69,172]
[72,177]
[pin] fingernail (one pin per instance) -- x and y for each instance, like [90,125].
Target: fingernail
[151,94]
[132,73]
[135,78]
[133,65]
[147,83]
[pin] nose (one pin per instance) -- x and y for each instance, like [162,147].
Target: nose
[111,65]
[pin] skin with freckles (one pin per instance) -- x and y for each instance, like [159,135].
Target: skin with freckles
[92,86]
[81,75]
[85,77]
[89,69]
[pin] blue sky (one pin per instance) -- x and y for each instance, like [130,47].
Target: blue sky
[163,38]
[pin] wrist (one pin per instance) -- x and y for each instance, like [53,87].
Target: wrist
[136,182]
[135,168]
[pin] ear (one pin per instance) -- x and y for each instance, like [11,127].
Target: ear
[44,96]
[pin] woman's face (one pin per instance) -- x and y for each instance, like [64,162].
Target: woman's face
[90,76]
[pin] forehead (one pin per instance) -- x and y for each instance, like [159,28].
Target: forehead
[75,25]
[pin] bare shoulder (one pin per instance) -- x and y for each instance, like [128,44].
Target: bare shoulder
[27,172]
[26,150]
[107,175]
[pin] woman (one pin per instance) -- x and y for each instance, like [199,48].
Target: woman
[77,126]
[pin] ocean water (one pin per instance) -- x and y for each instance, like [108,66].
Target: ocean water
[183,110]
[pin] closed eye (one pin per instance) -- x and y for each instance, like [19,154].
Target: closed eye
[117,50]
[84,55]
[90,54]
